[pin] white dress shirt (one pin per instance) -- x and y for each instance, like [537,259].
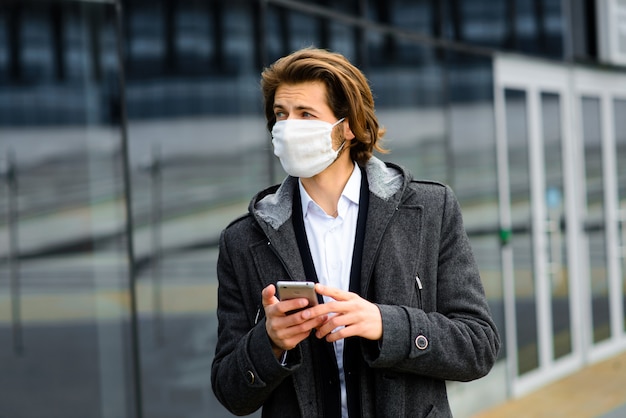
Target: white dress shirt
[331,241]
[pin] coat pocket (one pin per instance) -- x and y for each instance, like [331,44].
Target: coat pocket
[418,291]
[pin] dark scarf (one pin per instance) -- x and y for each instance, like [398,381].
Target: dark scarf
[324,361]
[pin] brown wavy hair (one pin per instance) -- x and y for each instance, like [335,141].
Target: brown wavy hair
[348,94]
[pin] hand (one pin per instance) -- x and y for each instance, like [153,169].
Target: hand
[353,316]
[286,331]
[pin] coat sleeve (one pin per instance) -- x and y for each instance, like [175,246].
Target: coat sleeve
[454,337]
[244,372]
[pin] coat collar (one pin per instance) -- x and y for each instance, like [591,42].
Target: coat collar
[273,206]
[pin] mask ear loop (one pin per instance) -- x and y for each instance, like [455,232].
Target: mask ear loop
[338,122]
[344,139]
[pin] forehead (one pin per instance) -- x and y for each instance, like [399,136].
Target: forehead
[310,93]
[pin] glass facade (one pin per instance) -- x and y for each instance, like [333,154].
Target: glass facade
[592,137]
[132,133]
[67,317]
[619,106]
[552,115]
[525,280]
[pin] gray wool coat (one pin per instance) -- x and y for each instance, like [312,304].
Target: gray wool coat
[441,331]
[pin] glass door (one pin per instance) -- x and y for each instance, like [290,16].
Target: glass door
[536,191]
[595,219]
[561,138]
[619,106]
[601,106]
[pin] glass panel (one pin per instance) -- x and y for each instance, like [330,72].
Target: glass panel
[199,151]
[413,15]
[65,335]
[145,47]
[276,35]
[479,22]
[408,90]
[304,30]
[619,110]
[521,217]
[539,28]
[472,167]
[595,223]
[557,244]
[343,38]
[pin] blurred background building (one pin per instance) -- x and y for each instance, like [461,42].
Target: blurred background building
[131,133]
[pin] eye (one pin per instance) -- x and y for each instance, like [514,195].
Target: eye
[280,115]
[307,115]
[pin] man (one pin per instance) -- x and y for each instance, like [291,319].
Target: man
[404,308]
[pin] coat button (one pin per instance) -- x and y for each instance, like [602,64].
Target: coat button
[421,342]
[250,377]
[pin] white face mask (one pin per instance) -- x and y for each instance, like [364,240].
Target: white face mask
[304,147]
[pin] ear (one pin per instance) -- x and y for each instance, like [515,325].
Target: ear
[347,132]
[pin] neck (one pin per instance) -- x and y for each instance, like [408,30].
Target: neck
[326,187]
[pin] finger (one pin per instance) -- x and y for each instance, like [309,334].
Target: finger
[328,309]
[290,343]
[288,337]
[333,323]
[304,327]
[269,295]
[363,321]
[337,329]
[333,292]
[341,333]
[289,306]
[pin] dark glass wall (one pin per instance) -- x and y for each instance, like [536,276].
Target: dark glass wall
[198,152]
[66,317]
[527,26]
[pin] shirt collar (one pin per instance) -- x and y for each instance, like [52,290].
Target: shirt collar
[351,192]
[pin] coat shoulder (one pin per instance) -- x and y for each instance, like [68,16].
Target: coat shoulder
[428,184]
[240,219]
[240,229]
[431,190]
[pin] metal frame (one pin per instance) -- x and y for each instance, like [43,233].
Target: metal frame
[132,282]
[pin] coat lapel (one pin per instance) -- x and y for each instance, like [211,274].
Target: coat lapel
[286,248]
[382,211]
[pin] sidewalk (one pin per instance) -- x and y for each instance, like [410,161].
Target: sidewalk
[598,391]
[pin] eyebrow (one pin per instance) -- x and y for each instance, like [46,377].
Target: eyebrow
[301,107]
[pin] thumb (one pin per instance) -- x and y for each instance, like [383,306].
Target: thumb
[269,295]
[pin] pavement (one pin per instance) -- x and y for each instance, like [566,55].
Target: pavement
[596,391]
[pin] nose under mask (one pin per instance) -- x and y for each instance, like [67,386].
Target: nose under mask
[304,147]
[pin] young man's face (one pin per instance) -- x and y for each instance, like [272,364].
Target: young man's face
[306,101]
[302,101]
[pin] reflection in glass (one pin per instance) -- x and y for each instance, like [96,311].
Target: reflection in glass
[471,166]
[525,301]
[619,111]
[409,105]
[199,150]
[63,171]
[557,243]
[595,224]
[414,15]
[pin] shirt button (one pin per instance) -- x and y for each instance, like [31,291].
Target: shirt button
[421,342]
[250,377]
